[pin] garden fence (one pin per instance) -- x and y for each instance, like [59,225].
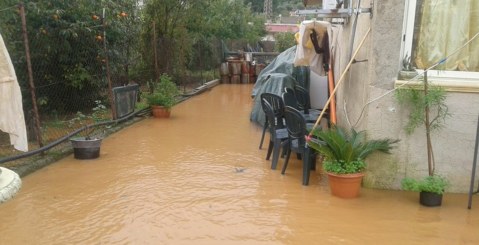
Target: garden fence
[74,66]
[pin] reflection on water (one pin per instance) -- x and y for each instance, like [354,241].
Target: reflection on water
[199,178]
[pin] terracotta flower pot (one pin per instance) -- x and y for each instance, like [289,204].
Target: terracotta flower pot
[160,111]
[345,185]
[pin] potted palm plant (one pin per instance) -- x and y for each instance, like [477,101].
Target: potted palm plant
[162,96]
[344,157]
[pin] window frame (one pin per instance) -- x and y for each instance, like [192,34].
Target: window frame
[440,77]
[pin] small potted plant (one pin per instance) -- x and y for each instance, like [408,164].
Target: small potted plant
[162,96]
[344,157]
[427,107]
[88,147]
[430,189]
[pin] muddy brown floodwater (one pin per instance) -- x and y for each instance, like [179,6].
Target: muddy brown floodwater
[199,178]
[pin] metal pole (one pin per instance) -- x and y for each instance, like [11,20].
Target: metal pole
[474,163]
[30,76]
[353,31]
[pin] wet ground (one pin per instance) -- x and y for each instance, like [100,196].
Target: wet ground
[199,178]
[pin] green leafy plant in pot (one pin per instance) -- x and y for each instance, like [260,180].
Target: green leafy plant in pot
[427,107]
[88,147]
[162,96]
[344,157]
[430,188]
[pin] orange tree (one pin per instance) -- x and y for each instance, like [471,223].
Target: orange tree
[66,48]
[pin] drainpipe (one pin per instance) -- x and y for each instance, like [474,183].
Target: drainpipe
[353,29]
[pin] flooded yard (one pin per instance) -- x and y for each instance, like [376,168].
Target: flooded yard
[199,178]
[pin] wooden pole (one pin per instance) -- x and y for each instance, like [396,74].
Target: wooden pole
[30,76]
[157,70]
[107,66]
[339,81]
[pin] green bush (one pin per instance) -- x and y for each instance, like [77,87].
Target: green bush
[284,40]
[342,167]
[163,93]
[435,184]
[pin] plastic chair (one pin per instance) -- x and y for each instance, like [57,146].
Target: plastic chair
[289,99]
[304,102]
[278,133]
[296,127]
[276,102]
[302,97]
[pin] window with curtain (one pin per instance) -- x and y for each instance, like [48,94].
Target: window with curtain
[437,28]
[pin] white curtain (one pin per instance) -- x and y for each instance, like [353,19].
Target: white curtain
[11,110]
[446,25]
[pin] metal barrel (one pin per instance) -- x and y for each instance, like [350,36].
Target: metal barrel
[259,68]
[235,78]
[224,70]
[245,67]
[252,75]
[235,67]
[245,78]
[225,79]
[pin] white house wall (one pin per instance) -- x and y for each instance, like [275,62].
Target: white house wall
[453,144]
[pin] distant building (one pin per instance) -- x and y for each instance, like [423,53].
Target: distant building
[272,29]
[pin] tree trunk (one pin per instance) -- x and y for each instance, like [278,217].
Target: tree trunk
[430,157]
[36,115]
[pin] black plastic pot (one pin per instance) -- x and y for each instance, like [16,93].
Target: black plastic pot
[84,148]
[430,199]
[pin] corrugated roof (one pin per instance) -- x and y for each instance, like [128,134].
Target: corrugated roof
[274,28]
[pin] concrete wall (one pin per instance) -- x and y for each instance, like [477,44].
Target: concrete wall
[366,81]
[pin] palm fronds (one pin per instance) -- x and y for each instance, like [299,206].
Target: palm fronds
[338,145]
